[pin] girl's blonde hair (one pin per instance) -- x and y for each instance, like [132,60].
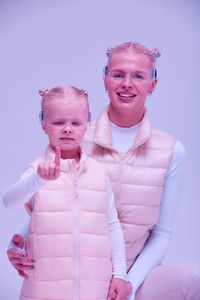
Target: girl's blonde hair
[62,93]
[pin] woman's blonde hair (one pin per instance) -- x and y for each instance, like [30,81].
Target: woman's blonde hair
[134,47]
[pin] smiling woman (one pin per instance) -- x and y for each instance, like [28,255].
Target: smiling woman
[146,169]
[128,80]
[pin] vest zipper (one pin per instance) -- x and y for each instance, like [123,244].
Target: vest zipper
[121,158]
[76,242]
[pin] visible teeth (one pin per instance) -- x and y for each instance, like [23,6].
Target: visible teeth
[126,96]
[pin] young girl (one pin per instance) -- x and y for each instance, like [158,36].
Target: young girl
[74,230]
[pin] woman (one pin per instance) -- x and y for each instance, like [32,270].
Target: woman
[146,167]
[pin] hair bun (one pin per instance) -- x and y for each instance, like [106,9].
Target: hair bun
[84,92]
[155,52]
[43,92]
[109,50]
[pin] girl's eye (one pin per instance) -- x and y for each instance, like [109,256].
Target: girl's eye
[58,123]
[76,123]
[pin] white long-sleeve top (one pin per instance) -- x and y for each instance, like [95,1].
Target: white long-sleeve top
[159,239]
[30,182]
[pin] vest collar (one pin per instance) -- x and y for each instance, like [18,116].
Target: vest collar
[103,133]
[68,165]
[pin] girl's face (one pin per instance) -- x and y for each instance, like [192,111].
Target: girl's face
[128,81]
[65,123]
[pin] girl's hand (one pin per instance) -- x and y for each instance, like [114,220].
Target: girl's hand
[50,170]
[119,289]
[20,261]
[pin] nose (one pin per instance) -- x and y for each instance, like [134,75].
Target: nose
[67,129]
[127,83]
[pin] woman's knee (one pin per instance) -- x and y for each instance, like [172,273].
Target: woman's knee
[191,280]
[185,274]
[179,279]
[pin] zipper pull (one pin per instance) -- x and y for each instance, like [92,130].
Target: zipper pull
[75,187]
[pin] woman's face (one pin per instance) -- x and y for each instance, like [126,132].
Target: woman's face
[128,81]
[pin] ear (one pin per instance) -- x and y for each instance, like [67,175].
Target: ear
[43,124]
[152,86]
[105,82]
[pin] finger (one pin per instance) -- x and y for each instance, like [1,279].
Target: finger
[18,240]
[21,273]
[118,297]
[21,267]
[46,169]
[57,156]
[52,169]
[129,288]
[22,261]
[12,252]
[57,171]
[41,170]
[17,257]
[111,293]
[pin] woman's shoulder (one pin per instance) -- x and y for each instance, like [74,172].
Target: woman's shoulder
[161,139]
[179,154]
[162,133]
[179,149]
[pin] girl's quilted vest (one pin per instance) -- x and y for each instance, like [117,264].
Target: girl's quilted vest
[69,235]
[137,177]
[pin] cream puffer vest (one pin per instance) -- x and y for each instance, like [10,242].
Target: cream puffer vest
[137,177]
[69,234]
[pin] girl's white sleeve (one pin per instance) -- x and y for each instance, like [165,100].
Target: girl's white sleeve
[21,192]
[23,189]
[117,239]
[159,239]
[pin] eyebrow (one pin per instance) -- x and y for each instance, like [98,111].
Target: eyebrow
[141,71]
[78,118]
[116,70]
[135,71]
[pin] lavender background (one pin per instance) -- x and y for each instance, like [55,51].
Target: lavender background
[49,43]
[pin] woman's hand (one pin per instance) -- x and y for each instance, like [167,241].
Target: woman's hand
[129,287]
[50,170]
[119,289]
[20,261]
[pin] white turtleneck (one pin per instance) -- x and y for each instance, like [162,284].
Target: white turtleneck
[158,242]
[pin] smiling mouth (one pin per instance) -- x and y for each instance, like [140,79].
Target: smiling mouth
[126,96]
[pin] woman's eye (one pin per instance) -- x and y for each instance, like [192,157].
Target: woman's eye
[118,75]
[138,76]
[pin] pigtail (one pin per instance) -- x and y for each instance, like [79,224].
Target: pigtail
[84,92]
[43,92]
[109,51]
[155,52]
